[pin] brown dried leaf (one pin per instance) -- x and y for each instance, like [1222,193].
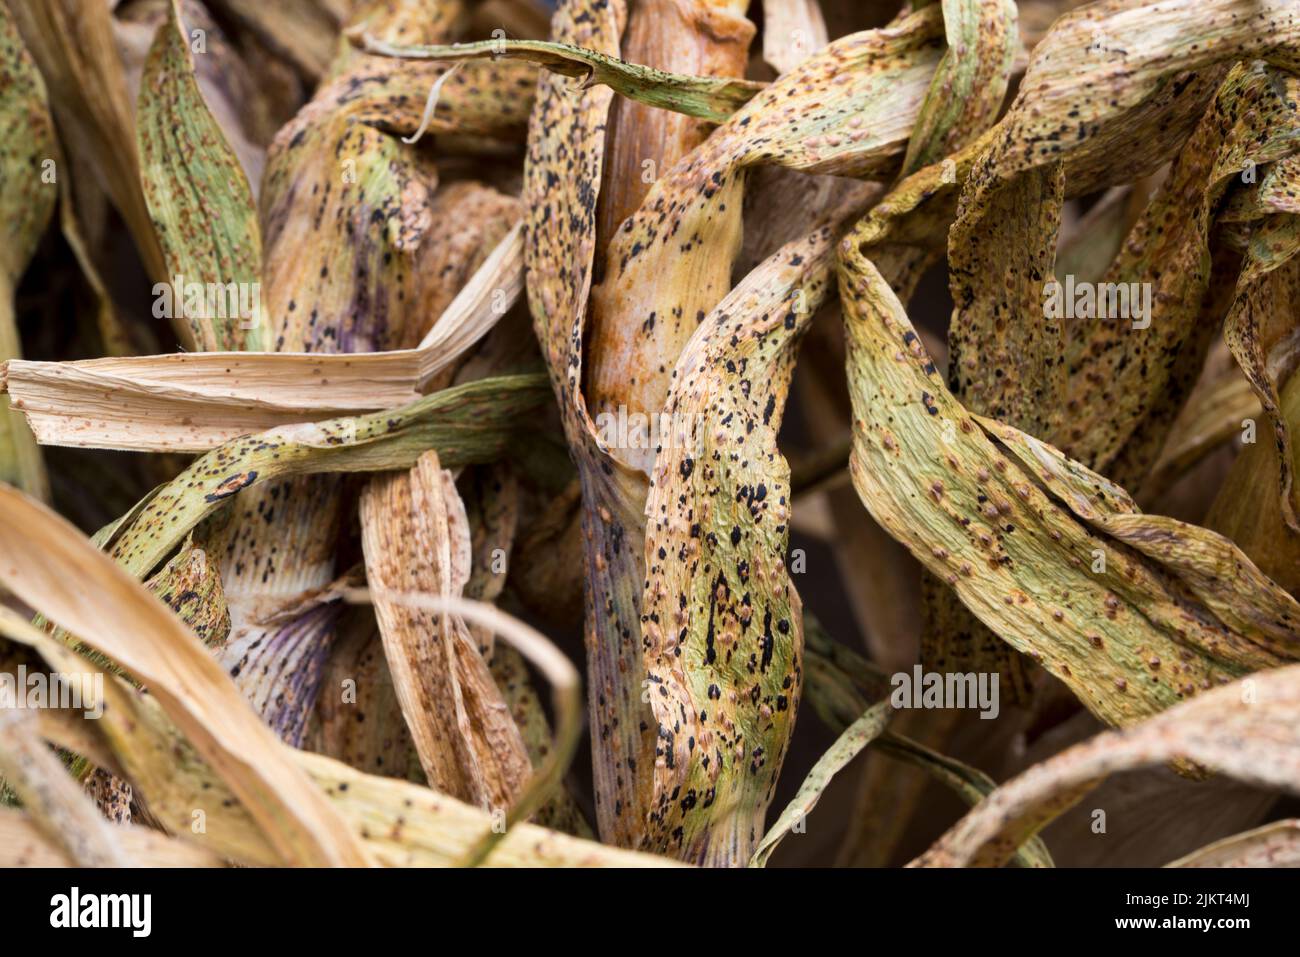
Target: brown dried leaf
[416,539]
[85,592]
[1245,730]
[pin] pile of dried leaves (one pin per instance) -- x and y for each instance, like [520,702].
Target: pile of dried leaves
[386,357]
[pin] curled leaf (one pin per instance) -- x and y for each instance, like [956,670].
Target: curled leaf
[1010,534]
[1243,730]
[1273,845]
[462,423]
[846,747]
[709,98]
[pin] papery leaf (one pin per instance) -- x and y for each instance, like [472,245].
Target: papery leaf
[22,844]
[671,262]
[1127,379]
[398,824]
[970,81]
[88,594]
[52,798]
[416,539]
[197,401]
[1261,322]
[793,30]
[1118,71]
[74,45]
[692,37]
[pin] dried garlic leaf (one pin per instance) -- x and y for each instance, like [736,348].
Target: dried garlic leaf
[490,494]
[1254,521]
[381,744]
[792,31]
[23,844]
[709,98]
[1246,730]
[26,197]
[699,37]
[27,152]
[492,501]
[566,149]
[356,260]
[1202,560]
[1098,74]
[1151,87]
[562,171]
[846,747]
[1004,354]
[51,796]
[466,424]
[982,41]
[1130,638]
[1273,845]
[1213,414]
[970,81]
[75,47]
[1127,379]
[1261,325]
[561,812]
[85,592]
[198,198]
[398,824]
[721,620]
[190,585]
[197,401]
[416,540]
[845,110]
[1003,360]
